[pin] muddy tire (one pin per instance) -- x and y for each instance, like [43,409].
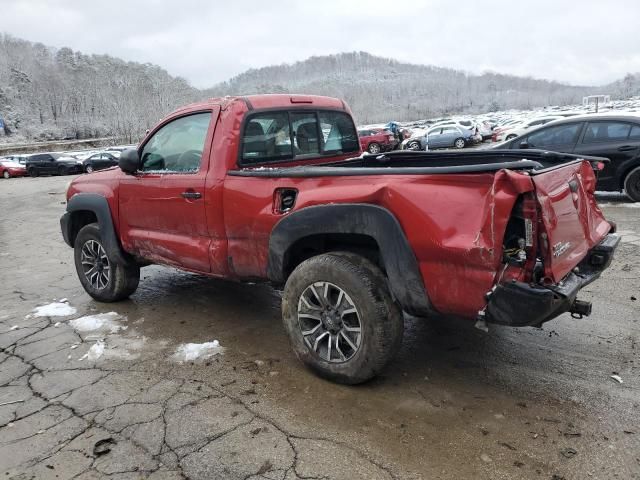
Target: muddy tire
[340,317]
[632,184]
[100,275]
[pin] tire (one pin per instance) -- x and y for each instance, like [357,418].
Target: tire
[88,168]
[364,288]
[121,280]
[32,172]
[459,143]
[632,184]
[510,137]
[6,174]
[414,145]
[374,148]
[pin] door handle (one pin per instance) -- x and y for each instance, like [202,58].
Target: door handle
[191,195]
[626,148]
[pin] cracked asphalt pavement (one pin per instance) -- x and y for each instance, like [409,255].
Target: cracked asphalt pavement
[112,401]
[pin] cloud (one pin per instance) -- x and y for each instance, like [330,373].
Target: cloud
[206,42]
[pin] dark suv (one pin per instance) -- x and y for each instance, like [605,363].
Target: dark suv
[52,164]
[616,137]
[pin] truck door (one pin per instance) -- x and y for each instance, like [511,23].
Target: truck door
[162,208]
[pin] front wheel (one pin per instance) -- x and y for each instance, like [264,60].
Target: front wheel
[510,137]
[413,145]
[459,143]
[88,168]
[340,317]
[102,277]
[632,184]
[6,174]
[374,148]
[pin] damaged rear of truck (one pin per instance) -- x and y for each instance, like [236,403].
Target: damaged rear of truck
[494,238]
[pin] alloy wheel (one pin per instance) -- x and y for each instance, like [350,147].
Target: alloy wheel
[95,264]
[329,322]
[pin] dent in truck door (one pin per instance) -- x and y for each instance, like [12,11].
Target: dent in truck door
[162,208]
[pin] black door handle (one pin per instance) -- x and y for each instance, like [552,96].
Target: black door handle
[190,195]
[627,148]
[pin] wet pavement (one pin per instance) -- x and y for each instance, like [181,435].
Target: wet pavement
[96,394]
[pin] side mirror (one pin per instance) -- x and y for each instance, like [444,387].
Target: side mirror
[524,144]
[129,161]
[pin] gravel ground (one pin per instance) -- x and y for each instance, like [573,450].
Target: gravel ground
[94,394]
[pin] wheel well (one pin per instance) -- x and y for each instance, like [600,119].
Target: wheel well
[313,245]
[626,173]
[79,219]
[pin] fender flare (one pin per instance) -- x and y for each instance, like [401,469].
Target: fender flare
[100,207]
[398,259]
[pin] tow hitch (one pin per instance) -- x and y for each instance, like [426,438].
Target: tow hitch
[580,309]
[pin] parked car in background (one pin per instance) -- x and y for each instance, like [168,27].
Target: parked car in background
[616,137]
[21,159]
[11,168]
[52,164]
[447,136]
[515,130]
[376,140]
[99,161]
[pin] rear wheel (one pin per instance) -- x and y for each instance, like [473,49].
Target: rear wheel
[459,143]
[632,184]
[32,172]
[102,277]
[6,174]
[340,317]
[374,148]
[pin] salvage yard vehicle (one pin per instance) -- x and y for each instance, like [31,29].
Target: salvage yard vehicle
[99,161]
[246,188]
[376,140]
[444,136]
[517,129]
[11,168]
[52,164]
[613,136]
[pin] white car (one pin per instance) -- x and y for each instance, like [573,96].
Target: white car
[520,128]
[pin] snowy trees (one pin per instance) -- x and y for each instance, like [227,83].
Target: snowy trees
[47,93]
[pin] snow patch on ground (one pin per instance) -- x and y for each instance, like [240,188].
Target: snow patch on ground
[104,322]
[95,352]
[189,352]
[55,309]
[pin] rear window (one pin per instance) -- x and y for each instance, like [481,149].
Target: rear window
[606,132]
[300,134]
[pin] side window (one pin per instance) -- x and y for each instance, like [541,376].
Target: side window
[177,147]
[556,135]
[338,133]
[606,132]
[635,133]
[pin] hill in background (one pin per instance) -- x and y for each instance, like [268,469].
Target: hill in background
[48,93]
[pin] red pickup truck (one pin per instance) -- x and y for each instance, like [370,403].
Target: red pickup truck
[274,188]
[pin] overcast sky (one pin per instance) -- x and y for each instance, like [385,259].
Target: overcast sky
[585,42]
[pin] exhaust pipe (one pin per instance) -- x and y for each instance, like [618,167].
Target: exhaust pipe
[580,309]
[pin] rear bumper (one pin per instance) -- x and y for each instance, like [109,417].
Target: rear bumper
[520,304]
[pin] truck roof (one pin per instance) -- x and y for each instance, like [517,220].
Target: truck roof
[272,100]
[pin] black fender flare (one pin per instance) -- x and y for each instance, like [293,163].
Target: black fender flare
[100,207]
[397,257]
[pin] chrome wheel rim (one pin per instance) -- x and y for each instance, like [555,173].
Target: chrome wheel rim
[413,146]
[374,148]
[329,322]
[95,264]
[89,169]
[459,143]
